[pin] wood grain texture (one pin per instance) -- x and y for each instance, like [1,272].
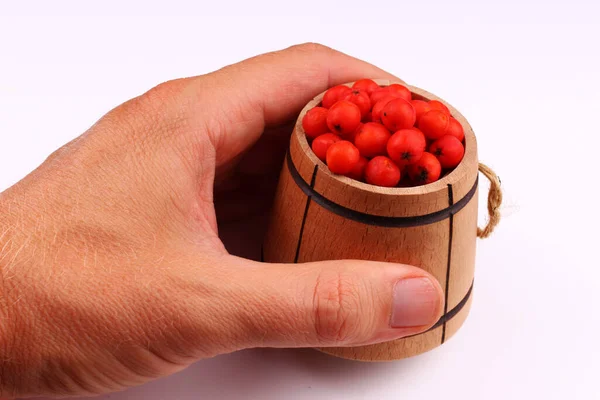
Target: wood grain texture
[462,266]
[422,246]
[445,248]
[455,323]
[286,220]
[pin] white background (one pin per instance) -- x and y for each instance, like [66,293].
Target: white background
[525,74]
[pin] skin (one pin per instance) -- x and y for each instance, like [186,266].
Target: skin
[130,252]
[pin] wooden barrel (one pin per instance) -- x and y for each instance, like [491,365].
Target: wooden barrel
[321,216]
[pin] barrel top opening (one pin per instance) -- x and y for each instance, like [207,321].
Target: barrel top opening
[469,159]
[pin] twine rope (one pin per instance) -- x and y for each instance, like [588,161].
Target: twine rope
[494,202]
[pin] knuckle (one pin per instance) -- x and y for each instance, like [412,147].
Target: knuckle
[336,308]
[158,115]
[312,47]
[160,99]
[151,106]
[160,93]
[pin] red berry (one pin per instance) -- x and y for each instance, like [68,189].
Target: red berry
[361,99]
[438,105]
[406,146]
[400,91]
[448,150]
[358,172]
[416,130]
[322,143]
[421,107]
[379,94]
[377,107]
[371,139]
[455,129]
[341,157]
[398,114]
[334,95]
[382,171]
[343,118]
[426,170]
[367,85]
[315,122]
[352,136]
[434,124]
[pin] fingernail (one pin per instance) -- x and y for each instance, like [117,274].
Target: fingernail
[416,303]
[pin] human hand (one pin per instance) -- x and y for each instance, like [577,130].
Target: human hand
[127,255]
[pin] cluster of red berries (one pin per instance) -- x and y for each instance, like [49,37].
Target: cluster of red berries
[379,135]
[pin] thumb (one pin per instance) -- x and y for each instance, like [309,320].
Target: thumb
[336,303]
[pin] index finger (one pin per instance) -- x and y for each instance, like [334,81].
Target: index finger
[280,83]
[244,98]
